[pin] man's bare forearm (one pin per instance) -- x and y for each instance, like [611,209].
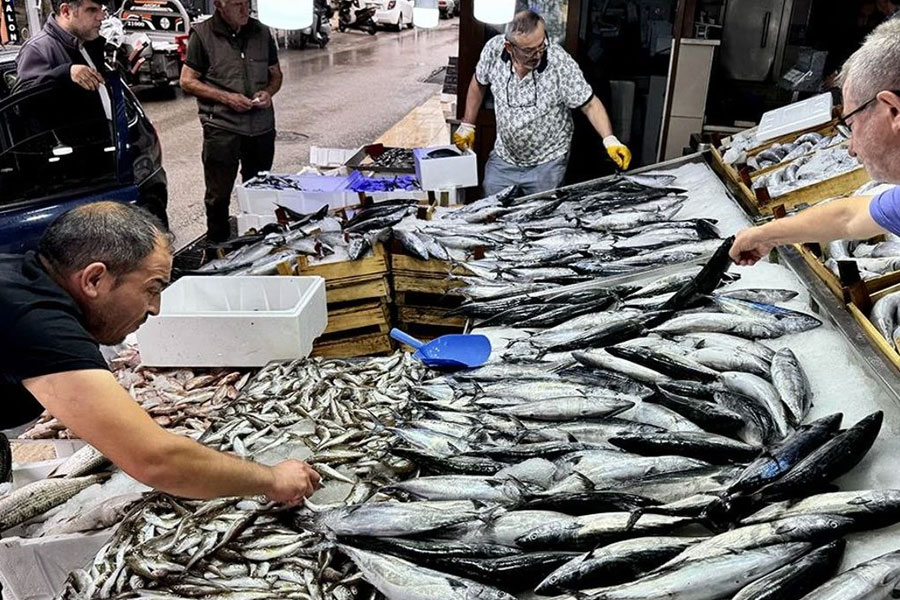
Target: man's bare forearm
[217,473]
[847,218]
[276,78]
[599,118]
[474,100]
[197,88]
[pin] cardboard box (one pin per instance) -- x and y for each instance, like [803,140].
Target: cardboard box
[436,174]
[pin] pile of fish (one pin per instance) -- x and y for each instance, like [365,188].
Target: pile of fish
[395,159]
[319,236]
[663,453]
[181,400]
[678,464]
[872,259]
[737,151]
[784,153]
[336,414]
[615,226]
[812,168]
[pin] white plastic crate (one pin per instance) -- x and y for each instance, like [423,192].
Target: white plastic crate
[256,201]
[446,173]
[234,322]
[318,191]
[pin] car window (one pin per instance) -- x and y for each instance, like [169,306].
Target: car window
[54,141]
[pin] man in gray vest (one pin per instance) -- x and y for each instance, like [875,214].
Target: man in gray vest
[232,69]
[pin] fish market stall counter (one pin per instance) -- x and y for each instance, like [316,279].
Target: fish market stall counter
[626,397]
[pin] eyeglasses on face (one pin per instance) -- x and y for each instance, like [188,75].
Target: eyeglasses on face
[844,127]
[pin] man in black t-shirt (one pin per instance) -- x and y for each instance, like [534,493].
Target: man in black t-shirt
[98,274]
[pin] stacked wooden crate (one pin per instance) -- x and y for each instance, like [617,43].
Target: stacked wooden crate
[359,305]
[424,294]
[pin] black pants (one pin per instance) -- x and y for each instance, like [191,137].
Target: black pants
[222,152]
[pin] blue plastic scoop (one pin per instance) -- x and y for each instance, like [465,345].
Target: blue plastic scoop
[449,351]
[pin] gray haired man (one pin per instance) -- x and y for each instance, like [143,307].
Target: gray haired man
[232,68]
[536,85]
[97,275]
[871,86]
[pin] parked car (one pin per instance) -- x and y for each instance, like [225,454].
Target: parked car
[448,8]
[393,13]
[58,150]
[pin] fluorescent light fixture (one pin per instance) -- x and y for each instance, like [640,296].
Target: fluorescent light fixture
[495,12]
[286,14]
[426,14]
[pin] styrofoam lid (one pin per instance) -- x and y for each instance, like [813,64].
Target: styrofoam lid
[795,117]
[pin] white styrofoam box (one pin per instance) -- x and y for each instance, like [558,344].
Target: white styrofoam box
[36,569]
[446,173]
[330,157]
[246,222]
[234,322]
[795,117]
[317,191]
[256,201]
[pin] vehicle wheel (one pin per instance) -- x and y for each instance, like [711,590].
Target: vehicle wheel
[399,25]
[341,27]
[371,29]
[410,25]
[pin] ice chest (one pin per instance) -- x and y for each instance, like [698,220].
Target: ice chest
[234,322]
[459,171]
[315,192]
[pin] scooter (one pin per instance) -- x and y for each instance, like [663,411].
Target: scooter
[354,15]
[319,33]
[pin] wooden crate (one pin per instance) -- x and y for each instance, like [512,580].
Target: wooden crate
[836,187]
[357,289]
[734,175]
[372,344]
[860,312]
[370,266]
[428,316]
[843,290]
[359,316]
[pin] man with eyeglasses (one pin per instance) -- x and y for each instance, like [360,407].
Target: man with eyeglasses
[871,87]
[536,85]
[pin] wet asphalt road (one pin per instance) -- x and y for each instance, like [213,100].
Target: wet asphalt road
[341,97]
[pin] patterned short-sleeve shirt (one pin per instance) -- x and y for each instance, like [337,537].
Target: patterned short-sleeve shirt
[534,118]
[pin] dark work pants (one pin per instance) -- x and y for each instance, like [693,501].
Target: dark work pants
[223,151]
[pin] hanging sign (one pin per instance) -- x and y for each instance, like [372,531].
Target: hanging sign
[10,31]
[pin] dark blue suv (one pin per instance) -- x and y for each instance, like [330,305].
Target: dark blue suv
[59,150]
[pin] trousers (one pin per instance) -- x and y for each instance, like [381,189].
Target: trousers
[499,174]
[223,152]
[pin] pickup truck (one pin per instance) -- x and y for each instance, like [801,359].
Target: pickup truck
[155,41]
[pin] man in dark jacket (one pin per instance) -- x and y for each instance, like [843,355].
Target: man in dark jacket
[68,48]
[232,69]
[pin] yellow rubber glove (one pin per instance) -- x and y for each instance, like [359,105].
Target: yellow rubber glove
[464,138]
[618,152]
